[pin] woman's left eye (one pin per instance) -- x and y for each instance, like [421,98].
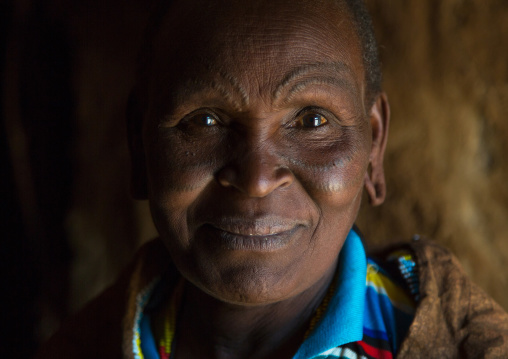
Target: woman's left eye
[311,120]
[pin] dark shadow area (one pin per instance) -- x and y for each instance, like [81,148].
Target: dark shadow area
[36,176]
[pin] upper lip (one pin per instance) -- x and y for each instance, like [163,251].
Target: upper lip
[261,226]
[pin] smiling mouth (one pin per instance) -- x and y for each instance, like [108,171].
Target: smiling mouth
[256,235]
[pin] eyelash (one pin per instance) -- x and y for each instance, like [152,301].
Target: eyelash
[313,112]
[199,117]
[213,119]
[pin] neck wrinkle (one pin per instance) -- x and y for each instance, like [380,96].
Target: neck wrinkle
[233,331]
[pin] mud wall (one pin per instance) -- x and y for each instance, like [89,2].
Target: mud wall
[446,72]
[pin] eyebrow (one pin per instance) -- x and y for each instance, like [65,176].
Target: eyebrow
[299,72]
[198,84]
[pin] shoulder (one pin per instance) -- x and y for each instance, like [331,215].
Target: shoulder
[97,330]
[455,317]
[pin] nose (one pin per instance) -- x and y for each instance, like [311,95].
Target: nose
[256,172]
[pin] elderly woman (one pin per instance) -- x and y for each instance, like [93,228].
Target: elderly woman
[254,128]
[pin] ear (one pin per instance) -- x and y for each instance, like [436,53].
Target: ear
[375,178]
[134,114]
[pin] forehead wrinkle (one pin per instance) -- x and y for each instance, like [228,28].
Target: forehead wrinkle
[301,71]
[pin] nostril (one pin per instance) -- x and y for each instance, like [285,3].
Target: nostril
[284,177]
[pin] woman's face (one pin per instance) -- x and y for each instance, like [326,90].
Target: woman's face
[257,142]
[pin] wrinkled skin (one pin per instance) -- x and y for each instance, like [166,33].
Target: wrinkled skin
[257,143]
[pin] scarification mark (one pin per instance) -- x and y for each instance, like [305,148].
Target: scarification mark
[338,163]
[174,187]
[301,71]
[229,88]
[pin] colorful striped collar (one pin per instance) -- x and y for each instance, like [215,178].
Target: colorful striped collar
[343,319]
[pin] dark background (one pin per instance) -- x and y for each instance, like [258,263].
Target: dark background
[67,220]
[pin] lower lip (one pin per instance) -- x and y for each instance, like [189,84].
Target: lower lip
[238,242]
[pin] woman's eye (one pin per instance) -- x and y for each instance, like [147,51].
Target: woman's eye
[312,120]
[207,120]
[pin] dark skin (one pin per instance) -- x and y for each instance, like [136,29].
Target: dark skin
[256,146]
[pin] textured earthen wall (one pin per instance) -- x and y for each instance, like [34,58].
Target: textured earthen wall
[446,72]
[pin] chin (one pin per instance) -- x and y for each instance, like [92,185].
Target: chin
[246,286]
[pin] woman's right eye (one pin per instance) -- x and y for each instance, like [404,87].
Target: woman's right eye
[198,121]
[206,120]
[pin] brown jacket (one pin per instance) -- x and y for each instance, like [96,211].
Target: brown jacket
[454,318]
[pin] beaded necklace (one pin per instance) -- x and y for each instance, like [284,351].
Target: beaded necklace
[322,308]
[166,342]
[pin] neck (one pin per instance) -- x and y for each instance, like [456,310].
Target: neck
[210,328]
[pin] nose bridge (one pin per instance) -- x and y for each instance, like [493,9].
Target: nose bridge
[256,168]
[259,160]
[260,148]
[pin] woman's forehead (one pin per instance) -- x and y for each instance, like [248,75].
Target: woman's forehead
[263,42]
[252,9]
[236,29]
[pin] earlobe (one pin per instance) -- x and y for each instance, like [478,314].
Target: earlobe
[134,115]
[375,184]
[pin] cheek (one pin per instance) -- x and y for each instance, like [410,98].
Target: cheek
[178,172]
[332,169]
[178,167]
[180,163]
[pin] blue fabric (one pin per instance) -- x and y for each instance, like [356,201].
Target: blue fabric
[148,347]
[343,320]
[377,334]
